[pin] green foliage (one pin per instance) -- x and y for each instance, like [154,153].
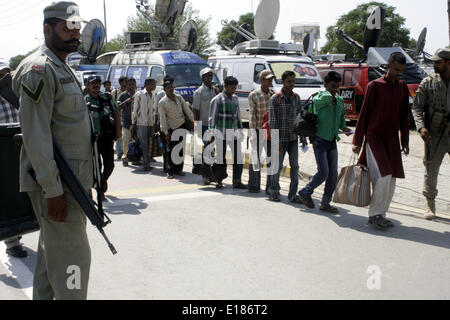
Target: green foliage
[353,24]
[226,35]
[15,61]
[139,23]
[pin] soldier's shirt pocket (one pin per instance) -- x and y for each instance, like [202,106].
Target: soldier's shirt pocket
[437,121]
[73,97]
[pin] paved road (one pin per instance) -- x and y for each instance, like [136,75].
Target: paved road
[180,240]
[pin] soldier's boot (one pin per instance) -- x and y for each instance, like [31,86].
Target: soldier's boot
[430,213]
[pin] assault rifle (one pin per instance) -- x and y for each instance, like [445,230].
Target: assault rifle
[94,211]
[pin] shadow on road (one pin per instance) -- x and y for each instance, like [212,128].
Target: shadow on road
[414,234]
[118,206]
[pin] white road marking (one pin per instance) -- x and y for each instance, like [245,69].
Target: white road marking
[17,270]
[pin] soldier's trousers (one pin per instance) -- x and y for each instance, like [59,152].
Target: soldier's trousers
[64,256]
[438,151]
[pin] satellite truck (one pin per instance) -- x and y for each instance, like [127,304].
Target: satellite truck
[254,52]
[144,57]
[356,75]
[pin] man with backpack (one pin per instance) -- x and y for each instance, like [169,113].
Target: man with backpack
[106,120]
[283,110]
[330,109]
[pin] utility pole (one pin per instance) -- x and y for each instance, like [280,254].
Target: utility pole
[448,12]
[106,30]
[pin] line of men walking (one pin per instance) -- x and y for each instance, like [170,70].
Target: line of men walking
[52,109]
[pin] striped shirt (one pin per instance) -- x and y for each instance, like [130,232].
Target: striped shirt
[225,113]
[258,101]
[8,114]
[282,114]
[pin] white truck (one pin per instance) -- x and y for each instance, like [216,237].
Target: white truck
[246,68]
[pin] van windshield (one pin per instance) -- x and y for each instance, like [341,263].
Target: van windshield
[187,75]
[305,74]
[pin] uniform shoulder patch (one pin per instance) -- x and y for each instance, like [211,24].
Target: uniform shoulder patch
[38,68]
[34,94]
[38,64]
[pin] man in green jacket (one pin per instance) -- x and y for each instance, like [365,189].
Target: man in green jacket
[330,110]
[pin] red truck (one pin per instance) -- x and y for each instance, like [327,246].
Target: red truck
[356,77]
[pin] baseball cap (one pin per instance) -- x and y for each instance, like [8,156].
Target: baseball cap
[205,71]
[4,65]
[64,10]
[266,74]
[443,53]
[91,79]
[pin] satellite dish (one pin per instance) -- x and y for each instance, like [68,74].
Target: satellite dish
[421,42]
[161,9]
[239,38]
[93,37]
[374,26]
[308,44]
[188,36]
[166,11]
[266,18]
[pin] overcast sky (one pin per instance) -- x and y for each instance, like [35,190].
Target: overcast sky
[21,20]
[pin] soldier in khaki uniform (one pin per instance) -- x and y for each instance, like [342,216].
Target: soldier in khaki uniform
[52,104]
[433,98]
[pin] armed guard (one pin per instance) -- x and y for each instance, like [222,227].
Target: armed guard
[52,107]
[431,112]
[106,125]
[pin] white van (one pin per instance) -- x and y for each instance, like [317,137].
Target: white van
[246,68]
[182,66]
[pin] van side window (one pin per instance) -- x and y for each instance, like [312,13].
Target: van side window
[156,71]
[348,78]
[258,68]
[373,74]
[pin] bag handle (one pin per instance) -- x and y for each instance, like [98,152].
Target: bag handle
[353,159]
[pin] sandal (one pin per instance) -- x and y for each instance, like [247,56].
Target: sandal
[297,200]
[389,223]
[330,209]
[379,222]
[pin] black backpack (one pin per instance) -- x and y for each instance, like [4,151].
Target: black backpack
[305,125]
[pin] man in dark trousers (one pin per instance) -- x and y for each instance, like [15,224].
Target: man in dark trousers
[125,103]
[103,110]
[384,113]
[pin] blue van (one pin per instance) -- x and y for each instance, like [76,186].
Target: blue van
[182,66]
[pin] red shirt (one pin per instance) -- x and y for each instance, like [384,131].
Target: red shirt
[384,113]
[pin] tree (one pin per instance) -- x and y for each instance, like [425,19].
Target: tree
[353,24]
[15,61]
[140,23]
[226,35]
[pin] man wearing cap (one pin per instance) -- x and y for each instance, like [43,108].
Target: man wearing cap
[8,114]
[431,112]
[52,106]
[258,101]
[106,120]
[201,103]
